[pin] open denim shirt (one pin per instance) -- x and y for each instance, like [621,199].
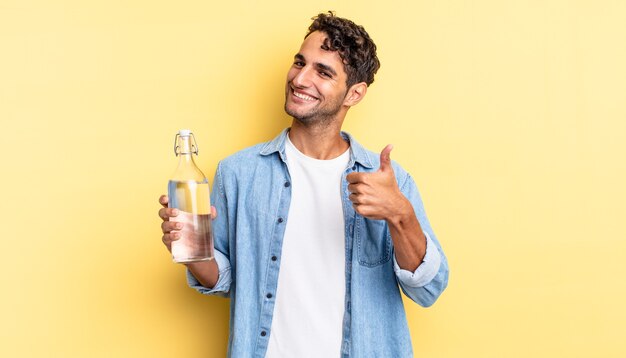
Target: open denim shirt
[252,192]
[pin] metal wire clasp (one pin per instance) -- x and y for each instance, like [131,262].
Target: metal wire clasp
[193,145]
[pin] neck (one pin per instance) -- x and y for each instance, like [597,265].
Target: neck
[319,142]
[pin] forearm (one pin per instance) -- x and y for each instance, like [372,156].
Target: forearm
[408,238]
[206,272]
[421,266]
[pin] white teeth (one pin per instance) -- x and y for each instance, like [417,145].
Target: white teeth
[303,96]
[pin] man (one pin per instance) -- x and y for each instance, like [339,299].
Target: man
[313,233]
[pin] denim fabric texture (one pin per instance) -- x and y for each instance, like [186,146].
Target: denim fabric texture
[251,192]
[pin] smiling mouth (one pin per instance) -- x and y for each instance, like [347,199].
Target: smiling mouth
[302,96]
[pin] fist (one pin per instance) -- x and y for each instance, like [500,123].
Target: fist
[376,195]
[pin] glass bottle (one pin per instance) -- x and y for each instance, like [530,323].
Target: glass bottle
[188,191]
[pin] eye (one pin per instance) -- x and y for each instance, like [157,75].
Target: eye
[298,64]
[325,74]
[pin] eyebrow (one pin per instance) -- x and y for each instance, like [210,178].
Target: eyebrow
[319,65]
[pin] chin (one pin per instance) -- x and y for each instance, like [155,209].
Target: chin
[296,114]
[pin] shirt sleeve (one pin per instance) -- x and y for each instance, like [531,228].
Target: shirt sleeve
[425,272]
[223,282]
[430,279]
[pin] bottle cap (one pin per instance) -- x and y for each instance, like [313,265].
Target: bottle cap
[184,132]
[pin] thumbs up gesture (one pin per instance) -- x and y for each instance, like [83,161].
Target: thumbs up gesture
[376,195]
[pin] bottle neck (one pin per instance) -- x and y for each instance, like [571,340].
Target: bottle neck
[187,168]
[185,151]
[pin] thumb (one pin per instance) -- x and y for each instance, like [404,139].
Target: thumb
[385,159]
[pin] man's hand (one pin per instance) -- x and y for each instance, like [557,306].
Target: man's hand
[176,223]
[377,195]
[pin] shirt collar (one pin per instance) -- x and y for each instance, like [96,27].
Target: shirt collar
[358,154]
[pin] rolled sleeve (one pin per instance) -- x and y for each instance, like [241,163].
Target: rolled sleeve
[223,282]
[425,272]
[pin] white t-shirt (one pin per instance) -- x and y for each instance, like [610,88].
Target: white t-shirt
[309,308]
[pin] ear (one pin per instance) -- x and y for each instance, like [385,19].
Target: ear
[355,94]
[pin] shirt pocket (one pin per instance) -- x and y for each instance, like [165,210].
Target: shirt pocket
[373,242]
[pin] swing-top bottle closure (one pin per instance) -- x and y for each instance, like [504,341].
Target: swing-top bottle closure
[185,133]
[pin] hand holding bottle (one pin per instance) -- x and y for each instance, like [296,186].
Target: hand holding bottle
[205,271]
[176,223]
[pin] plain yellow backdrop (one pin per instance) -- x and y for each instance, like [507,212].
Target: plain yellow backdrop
[511,116]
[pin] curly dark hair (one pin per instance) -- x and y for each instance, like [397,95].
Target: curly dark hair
[355,47]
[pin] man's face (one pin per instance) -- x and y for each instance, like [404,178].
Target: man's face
[316,82]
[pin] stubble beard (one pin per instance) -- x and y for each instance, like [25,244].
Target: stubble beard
[321,117]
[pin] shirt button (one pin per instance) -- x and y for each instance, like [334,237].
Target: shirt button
[269,295]
[263,333]
[274,258]
[354,167]
[280,220]
[287,184]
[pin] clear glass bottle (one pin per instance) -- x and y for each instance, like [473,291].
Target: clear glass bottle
[188,191]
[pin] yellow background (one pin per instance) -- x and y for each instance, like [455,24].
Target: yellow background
[511,115]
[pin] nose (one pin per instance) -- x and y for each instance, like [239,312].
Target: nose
[302,78]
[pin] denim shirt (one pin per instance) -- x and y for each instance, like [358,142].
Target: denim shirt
[252,192]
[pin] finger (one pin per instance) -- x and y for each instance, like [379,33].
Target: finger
[167,213]
[169,226]
[356,177]
[174,236]
[213,212]
[365,211]
[356,199]
[169,238]
[357,188]
[385,159]
[163,214]
[163,200]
